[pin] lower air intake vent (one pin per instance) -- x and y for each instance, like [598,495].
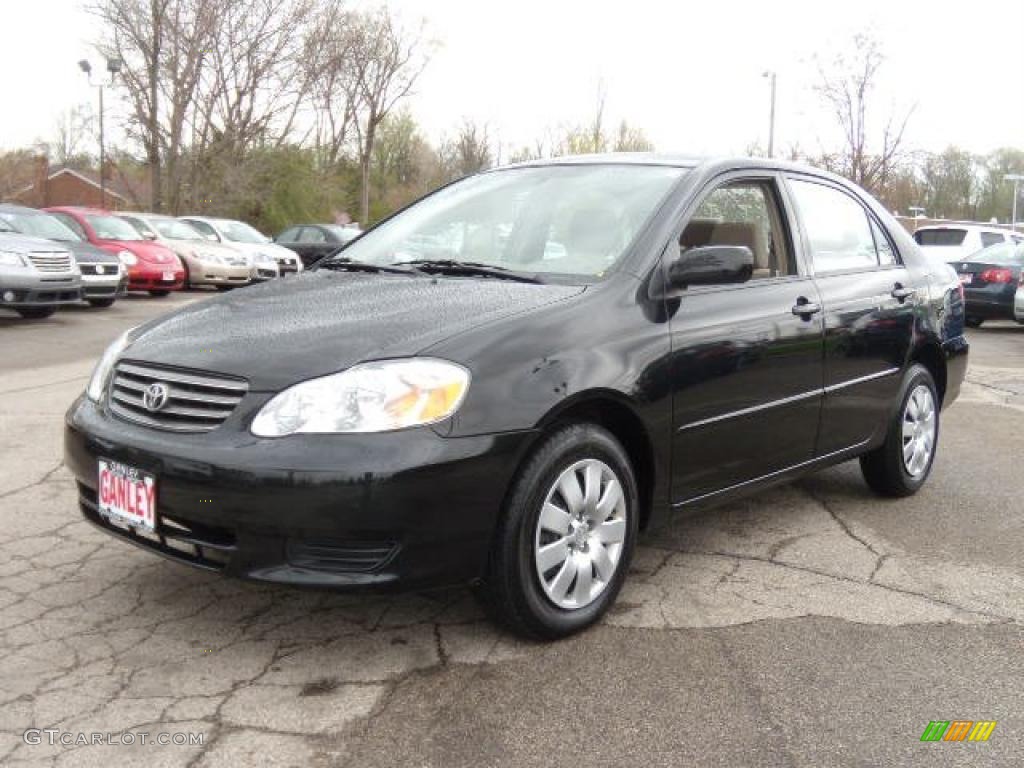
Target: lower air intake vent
[340,556]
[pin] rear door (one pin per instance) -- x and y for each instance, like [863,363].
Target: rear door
[746,358]
[869,305]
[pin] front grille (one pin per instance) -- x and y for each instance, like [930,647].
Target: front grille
[201,545]
[94,269]
[340,556]
[195,402]
[51,261]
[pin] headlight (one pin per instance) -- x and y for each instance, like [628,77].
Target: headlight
[101,373]
[12,259]
[372,397]
[127,258]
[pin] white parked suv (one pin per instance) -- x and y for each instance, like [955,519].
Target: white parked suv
[250,241]
[954,242]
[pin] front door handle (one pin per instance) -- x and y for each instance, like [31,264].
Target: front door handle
[804,308]
[901,293]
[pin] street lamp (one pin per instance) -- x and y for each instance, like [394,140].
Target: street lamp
[1016,178]
[770,74]
[113,67]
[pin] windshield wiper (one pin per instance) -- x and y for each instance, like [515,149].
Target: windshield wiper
[455,267]
[345,264]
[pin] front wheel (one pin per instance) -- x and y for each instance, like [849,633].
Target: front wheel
[564,543]
[902,463]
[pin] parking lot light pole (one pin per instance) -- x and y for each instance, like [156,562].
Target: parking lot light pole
[1016,178]
[770,74]
[113,67]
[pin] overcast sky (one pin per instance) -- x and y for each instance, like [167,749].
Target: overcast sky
[688,74]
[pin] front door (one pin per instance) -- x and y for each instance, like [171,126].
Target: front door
[868,311]
[746,358]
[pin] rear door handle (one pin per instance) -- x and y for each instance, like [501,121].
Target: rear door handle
[901,293]
[803,308]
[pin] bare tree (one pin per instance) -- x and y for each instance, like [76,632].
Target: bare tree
[469,152]
[847,85]
[330,51]
[73,130]
[388,60]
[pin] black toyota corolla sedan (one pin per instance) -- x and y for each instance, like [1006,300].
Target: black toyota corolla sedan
[990,278]
[507,381]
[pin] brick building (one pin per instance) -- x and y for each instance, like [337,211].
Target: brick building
[66,186]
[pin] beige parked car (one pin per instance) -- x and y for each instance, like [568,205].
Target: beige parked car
[205,263]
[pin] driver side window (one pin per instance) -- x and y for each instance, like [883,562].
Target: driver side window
[744,213]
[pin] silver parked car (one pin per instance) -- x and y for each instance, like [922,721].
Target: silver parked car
[36,275]
[240,235]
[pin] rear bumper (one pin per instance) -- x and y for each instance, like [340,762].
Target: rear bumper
[956,352]
[994,302]
[395,510]
[1018,305]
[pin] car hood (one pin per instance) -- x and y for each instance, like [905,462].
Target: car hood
[279,333]
[14,241]
[188,247]
[87,253]
[145,250]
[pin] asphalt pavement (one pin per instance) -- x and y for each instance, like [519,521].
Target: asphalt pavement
[811,625]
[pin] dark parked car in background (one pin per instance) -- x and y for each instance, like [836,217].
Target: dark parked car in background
[990,278]
[103,277]
[314,241]
[632,338]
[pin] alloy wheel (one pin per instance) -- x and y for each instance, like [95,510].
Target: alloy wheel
[919,428]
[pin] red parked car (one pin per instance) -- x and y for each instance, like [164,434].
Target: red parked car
[151,266]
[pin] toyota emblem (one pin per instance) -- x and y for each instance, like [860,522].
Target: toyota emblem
[155,397]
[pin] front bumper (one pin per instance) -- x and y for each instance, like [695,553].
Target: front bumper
[151,279]
[110,286]
[1018,304]
[400,509]
[205,273]
[27,288]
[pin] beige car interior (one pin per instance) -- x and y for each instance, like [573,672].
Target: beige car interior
[745,215]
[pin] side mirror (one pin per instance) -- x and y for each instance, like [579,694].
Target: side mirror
[149,235]
[711,265]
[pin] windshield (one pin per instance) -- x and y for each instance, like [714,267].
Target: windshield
[113,228]
[172,229]
[40,225]
[239,232]
[573,220]
[1001,253]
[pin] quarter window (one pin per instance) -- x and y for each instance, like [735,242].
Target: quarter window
[837,226]
[886,253]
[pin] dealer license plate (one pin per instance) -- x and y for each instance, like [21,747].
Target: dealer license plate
[127,495]
[168,277]
[966,278]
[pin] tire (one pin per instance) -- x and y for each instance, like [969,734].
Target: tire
[886,470]
[973,322]
[224,288]
[514,590]
[36,313]
[101,303]
[160,294]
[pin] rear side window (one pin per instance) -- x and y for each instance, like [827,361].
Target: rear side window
[837,226]
[289,235]
[944,236]
[991,238]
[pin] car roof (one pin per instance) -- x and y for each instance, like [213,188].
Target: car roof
[81,210]
[15,208]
